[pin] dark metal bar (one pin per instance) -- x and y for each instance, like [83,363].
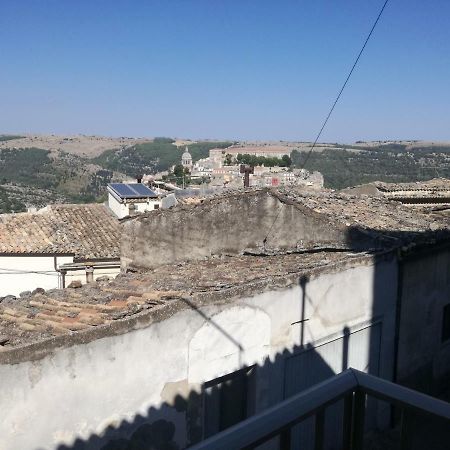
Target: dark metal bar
[401,396]
[351,385]
[359,409]
[260,428]
[347,422]
[285,440]
[319,435]
[406,430]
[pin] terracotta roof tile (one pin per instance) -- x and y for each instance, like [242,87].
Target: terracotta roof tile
[86,231]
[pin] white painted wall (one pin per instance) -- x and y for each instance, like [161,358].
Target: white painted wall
[25,273]
[77,392]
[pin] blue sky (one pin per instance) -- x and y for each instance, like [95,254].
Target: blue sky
[236,69]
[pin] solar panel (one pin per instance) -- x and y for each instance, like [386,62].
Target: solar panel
[132,190]
[142,190]
[122,189]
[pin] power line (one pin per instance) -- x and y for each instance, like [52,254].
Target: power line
[4,271]
[344,85]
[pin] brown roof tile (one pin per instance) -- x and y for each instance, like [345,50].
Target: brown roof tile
[85,231]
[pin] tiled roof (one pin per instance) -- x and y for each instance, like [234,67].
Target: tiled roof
[85,231]
[375,213]
[435,185]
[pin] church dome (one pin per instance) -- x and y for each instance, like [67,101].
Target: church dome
[186,159]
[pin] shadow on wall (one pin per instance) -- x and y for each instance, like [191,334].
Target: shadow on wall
[228,400]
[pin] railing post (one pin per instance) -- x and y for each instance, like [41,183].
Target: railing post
[347,422]
[319,430]
[406,429]
[285,439]
[359,410]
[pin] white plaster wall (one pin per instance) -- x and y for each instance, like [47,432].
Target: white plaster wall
[234,338]
[119,209]
[80,391]
[148,206]
[18,273]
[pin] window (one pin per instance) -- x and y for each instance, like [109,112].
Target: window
[446,323]
[156,206]
[228,400]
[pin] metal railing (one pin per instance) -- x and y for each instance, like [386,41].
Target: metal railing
[351,385]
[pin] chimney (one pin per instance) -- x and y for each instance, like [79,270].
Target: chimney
[139,178]
[89,274]
[246,170]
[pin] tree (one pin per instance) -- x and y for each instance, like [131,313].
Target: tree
[286,161]
[178,170]
[228,159]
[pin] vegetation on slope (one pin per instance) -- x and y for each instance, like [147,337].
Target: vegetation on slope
[10,204]
[389,162]
[35,177]
[9,137]
[62,176]
[152,157]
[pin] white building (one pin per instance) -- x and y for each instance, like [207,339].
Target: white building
[127,199]
[57,245]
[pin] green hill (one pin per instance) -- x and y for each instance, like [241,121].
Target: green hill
[152,157]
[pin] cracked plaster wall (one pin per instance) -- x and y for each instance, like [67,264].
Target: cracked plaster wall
[105,390]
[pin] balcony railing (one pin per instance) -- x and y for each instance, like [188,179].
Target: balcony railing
[353,387]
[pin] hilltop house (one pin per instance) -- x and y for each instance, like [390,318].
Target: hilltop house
[128,199]
[56,245]
[233,305]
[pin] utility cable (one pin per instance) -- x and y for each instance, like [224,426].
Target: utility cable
[344,85]
[4,271]
[333,106]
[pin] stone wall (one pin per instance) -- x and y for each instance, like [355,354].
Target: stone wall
[253,222]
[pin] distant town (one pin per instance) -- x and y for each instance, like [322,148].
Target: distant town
[37,170]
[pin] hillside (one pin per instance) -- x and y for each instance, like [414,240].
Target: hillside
[80,145]
[155,156]
[77,169]
[36,177]
[37,170]
[349,165]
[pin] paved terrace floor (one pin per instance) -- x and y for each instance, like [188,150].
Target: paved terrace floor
[72,312]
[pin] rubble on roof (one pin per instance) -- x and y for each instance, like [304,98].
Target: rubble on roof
[374,213]
[67,311]
[421,194]
[434,185]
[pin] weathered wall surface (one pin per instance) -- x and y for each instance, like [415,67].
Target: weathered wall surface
[424,360]
[238,223]
[150,379]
